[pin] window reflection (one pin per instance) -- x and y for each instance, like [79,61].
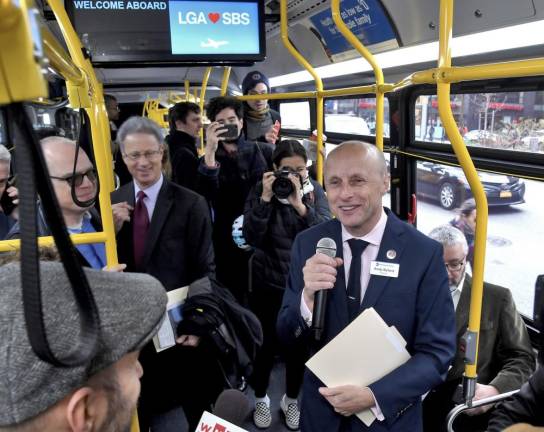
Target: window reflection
[354,116]
[513,256]
[507,121]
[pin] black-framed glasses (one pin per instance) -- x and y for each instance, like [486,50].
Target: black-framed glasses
[77,179]
[455,265]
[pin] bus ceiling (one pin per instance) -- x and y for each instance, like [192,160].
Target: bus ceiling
[383,26]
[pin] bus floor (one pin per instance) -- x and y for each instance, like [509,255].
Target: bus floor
[276,389]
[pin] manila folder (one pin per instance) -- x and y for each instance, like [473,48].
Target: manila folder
[365,351]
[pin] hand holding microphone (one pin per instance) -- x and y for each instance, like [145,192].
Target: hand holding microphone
[319,276]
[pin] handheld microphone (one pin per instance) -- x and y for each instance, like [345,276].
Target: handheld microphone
[233,406]
[325,246]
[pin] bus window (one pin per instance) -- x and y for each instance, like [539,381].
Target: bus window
[515,212]
[354,116]
[503,121]
[295,115]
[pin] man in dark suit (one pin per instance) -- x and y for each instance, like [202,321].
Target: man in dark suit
[164,230]
[412,295]
[505,356]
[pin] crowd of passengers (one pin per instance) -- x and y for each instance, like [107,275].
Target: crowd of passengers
[231,214]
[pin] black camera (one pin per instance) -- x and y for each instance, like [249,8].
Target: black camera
[282,186]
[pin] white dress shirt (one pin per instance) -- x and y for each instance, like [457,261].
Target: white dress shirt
[151,192]
[456,293]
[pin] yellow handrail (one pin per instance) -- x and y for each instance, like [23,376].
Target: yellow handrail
[446,115]
[93,100]
[318,85]
[60,60]
[225,80]
[511,69]
[378,74]
[202,100]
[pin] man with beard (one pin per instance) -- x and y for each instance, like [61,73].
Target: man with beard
[97,396]
[231,166]
[505,356]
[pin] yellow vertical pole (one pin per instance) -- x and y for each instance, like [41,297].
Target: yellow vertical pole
[378,74]
[318,85]
[205,79]
[187,90]
[225,80]
[446,115]
[98,118]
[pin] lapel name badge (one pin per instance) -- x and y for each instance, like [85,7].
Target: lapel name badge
[380,268]
[391,254]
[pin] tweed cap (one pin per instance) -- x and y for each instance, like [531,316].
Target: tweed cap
[130,306]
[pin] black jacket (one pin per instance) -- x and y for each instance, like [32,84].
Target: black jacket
[523,407]
[178,245]
[184,158]
[178,252]
[226,188]
[271,229]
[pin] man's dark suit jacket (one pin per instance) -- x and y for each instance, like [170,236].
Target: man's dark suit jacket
[178,251]
[418,303]
[505,356]
[178,244]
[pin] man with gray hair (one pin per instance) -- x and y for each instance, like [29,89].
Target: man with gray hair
[99,395]
[76,191]
[165,230]
[7,193]
[505,356]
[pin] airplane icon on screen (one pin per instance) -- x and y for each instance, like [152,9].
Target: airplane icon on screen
[213,44]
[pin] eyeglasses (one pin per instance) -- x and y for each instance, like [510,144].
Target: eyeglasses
[148,155]
[77,179]
[455,265]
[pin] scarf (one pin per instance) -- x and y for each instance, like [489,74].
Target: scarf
[257,115]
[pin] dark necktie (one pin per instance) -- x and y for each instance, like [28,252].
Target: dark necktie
[139,229]
[354,282]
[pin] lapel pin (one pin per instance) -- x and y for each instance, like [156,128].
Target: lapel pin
[391,254]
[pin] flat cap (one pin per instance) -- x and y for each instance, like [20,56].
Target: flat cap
[130,306]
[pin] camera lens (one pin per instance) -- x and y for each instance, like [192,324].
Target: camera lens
[282,186]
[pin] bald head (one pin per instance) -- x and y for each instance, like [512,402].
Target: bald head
[356,180]
[60,154]
[368,153]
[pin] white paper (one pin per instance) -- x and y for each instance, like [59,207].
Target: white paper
[365,351]
[166,337]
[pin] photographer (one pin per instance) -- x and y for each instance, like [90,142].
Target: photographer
[285,203]
[8,193]
[230,167]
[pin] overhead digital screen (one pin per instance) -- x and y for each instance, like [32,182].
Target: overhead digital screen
[162,32]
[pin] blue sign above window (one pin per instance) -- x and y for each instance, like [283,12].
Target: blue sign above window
[365,18]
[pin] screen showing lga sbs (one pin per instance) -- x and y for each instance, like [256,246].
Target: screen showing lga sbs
[175,31]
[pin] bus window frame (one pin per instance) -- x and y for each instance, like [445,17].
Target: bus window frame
[517,163]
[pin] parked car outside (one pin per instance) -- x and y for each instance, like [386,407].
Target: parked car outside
[448,185]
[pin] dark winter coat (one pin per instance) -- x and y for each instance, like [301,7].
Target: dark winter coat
[271,229]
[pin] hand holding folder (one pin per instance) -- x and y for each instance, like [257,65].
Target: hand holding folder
[365,351]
